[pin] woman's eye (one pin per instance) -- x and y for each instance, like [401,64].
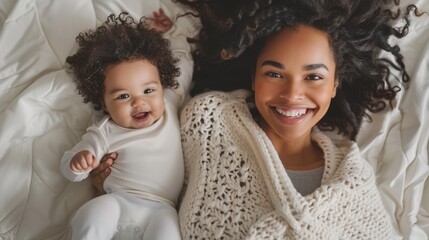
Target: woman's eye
[147,91]
[123,96]
[273,75]
[314,77]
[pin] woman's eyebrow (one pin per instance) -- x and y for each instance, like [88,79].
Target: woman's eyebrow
[314,66]
[308,67]
[273,63]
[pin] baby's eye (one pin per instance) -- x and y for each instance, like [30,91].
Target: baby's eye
[123,96]
[314,77]
[273,74]
[150,90]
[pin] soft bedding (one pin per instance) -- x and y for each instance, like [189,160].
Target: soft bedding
[41,116]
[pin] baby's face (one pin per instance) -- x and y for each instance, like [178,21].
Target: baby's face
[133,94]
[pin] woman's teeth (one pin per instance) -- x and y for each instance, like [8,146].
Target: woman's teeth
[291,113]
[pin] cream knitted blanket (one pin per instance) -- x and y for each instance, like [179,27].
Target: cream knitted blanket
[237,187]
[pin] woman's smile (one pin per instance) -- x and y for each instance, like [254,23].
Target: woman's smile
[291,116]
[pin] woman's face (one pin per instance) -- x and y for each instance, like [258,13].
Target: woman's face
[294,82]
[133,94]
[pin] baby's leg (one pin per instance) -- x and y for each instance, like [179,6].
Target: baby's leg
[96,219]
[164,224]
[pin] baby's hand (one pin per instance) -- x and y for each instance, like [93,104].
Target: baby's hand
[160,22]
[83,161]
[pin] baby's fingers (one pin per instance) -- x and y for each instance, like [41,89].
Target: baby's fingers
[90,162]
[94,164]
[159,14]
[75,166]
[83,164]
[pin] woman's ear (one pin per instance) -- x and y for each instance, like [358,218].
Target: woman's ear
[334,91]
[252,76]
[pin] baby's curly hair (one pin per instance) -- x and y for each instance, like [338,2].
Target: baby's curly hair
[233,33]
[119,39]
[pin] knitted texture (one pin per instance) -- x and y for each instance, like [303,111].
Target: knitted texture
[237,187]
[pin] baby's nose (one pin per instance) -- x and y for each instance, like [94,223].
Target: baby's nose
[138,101]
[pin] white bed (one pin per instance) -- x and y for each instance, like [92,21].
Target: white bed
[41,117]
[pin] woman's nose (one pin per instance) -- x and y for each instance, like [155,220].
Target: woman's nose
[292,90]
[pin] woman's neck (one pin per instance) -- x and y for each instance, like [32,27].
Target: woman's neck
[299,154]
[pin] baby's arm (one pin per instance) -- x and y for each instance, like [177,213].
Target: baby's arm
[84,155]
[83,161]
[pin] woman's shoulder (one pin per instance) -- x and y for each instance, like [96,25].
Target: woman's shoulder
[343,157]
[220,96]
[209,101]
[330,140]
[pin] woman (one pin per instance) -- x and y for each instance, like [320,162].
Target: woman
[273,175]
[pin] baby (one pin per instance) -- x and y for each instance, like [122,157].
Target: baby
[127,69]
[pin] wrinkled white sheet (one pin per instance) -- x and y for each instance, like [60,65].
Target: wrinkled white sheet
[396,141]
[41,117]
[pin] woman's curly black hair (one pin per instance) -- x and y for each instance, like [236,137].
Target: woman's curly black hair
[233,33]
[119,39]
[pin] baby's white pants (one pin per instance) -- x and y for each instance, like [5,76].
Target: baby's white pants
[118,216]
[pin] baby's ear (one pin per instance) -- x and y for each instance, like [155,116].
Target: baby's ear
[105,108]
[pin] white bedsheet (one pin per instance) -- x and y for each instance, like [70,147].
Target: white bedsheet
[41,117]
[396,142]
